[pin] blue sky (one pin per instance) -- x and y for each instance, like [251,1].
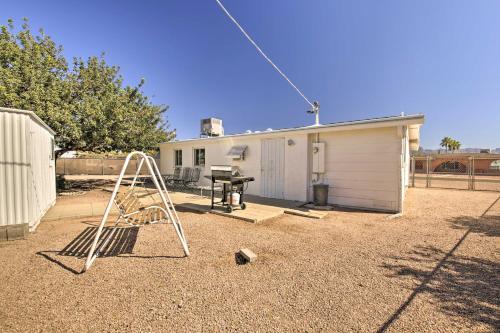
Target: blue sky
[360,59]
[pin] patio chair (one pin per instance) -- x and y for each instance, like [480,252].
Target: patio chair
[170,179]
[194,178]
[186,175]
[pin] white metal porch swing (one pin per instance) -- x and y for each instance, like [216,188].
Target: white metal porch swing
[133,212]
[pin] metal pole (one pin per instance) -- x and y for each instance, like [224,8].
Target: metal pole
[177,226]
[469,174]
[137,171]
[413,171]
[473,173]
[91,256]
[427,171]
[164,188]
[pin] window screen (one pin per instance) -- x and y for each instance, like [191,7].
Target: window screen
[178,157]
[199,157]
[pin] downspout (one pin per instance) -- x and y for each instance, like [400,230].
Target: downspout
[317,174]
[315,111]
[402,169]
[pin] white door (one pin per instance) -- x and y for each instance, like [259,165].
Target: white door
[273,168]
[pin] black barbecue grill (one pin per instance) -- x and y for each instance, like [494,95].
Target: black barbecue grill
[232,182]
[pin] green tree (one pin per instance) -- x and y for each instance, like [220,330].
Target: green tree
[454,145]
[33,77]
[445,142]
[450,144]
[87,105]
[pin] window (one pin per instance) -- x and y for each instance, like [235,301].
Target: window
[178,157]
[199,157]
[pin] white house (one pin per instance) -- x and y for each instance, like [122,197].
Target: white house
[365,162]
[27,172]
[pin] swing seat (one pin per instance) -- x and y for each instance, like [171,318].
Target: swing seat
[134,212]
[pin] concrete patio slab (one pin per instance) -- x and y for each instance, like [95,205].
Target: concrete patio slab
[76,210]
[258,209]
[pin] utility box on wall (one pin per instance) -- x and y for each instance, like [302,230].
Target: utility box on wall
[318,157]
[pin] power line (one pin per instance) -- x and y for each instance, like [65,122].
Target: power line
[262,53]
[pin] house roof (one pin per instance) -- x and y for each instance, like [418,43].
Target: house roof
[32,115]
[416,119]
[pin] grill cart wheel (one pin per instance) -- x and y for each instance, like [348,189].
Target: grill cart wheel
[243,205]
[229,209]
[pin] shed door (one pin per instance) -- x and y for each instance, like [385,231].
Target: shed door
[273,168]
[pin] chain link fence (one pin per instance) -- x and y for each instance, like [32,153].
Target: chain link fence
[460,172]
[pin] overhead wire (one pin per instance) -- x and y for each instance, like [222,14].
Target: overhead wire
[250,39]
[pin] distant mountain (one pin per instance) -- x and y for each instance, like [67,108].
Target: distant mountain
[463,150]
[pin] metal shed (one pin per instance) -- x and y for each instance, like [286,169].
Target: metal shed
[27,172]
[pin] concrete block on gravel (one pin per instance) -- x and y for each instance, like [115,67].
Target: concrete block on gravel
[3,233]
[18,231]
[248,255]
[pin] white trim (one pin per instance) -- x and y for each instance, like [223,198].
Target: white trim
[37,222]
[204,158]
[32,115]
[416,119]
[175,158]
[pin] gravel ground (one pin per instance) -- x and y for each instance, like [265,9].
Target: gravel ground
[434,270]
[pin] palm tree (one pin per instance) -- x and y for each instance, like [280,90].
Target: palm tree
[450,144]
[445,142]
[455,145]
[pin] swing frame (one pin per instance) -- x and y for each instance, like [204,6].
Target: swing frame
[168,209]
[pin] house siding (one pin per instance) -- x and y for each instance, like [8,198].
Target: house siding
[295,171]
[362,168]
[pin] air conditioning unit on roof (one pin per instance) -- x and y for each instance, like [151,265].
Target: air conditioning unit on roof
[211,127]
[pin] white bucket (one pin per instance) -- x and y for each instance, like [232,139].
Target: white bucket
[236,198]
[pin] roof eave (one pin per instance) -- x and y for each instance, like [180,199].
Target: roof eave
[32,115]
[417,119]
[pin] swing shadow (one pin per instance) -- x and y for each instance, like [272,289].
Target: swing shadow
[111,244]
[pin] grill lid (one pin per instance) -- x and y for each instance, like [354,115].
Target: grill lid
[224,170]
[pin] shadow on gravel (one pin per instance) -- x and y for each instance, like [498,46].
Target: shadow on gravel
[85,185]
[488,224]
[239,259]
[118,244]
[111,244]
[464,286]
[47,255]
